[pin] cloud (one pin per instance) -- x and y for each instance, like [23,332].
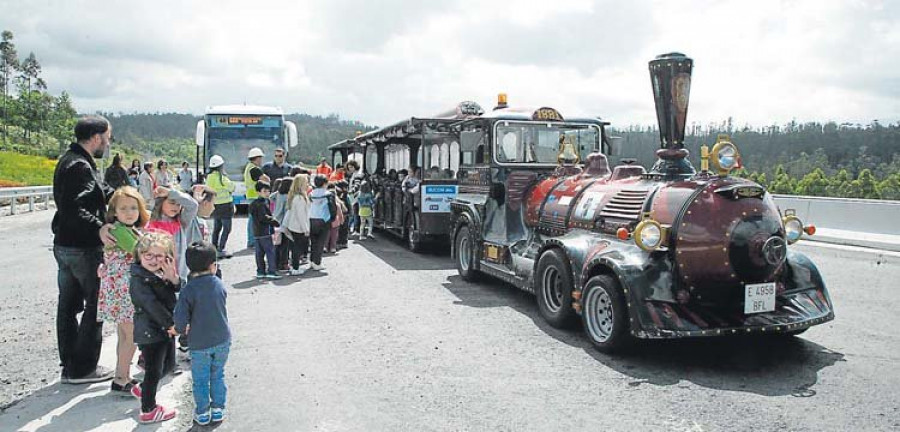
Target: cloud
[379,62]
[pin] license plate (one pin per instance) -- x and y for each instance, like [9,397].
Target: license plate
[759,298]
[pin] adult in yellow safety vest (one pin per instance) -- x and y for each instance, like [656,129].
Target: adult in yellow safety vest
[218,181]
[253,173]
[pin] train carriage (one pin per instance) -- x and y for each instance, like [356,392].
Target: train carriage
[665,253]
[420,214]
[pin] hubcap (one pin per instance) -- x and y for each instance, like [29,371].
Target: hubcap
[598,314]
[552,291]
[463,252]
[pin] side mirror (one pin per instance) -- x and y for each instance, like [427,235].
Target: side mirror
[291,133]
[498,192]
[200,137]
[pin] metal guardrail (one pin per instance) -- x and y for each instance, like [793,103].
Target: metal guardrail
[31,193]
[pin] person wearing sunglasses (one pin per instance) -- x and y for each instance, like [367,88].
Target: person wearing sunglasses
[278,168]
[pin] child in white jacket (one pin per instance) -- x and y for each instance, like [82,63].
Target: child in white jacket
[296,222]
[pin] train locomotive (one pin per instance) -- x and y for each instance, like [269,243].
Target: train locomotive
[667,253]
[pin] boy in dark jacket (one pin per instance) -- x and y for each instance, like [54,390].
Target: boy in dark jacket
[201,312]
[262,232]
[154,282]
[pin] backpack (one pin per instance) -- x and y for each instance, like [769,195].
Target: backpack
[332,207]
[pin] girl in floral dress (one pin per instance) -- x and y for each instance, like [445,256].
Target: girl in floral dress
[126,208]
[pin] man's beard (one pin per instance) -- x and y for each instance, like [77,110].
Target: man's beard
[97,154]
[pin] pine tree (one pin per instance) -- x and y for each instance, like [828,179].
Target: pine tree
[889,188]
[813,184]
[9,65]
[839,184]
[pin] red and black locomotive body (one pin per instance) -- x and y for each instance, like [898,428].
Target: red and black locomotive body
[669,252]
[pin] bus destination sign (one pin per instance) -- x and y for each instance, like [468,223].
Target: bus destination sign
[244,120]
[236,121]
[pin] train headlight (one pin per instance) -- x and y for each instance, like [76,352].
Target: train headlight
[648,235]
[725,157]
[793,229]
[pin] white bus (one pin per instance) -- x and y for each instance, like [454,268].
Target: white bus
[231,131]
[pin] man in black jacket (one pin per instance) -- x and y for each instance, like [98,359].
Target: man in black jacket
[78,227]
[278,168]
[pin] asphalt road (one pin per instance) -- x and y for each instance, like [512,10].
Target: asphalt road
[390,340]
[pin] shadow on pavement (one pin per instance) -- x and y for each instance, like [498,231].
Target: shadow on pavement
[250,283]
[67,408]
[768,366]
[196,428]
[244,252]
[392,250]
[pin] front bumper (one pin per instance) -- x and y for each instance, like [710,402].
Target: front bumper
[794,311]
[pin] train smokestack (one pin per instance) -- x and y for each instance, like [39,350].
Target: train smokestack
[670,75]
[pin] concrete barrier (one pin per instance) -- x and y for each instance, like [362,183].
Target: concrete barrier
[855,222]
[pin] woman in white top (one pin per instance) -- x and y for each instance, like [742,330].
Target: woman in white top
[185,177]
[296,222]
[163,176]
[147,184]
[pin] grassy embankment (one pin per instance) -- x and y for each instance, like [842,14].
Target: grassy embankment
[25,170]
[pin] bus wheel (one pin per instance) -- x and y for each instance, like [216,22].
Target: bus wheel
[554,289]
[465,254]
[604,314]
[413,238]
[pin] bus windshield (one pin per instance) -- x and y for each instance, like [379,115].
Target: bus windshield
[538,143]
[232,137]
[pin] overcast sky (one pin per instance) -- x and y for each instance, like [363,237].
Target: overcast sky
[760,62]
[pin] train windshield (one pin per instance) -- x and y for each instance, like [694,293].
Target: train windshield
[539,143]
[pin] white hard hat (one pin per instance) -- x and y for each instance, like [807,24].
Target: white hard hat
[254,152]
[216,161]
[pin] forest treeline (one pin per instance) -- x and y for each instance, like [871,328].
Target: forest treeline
[816,159]
[819,159]
[171,135]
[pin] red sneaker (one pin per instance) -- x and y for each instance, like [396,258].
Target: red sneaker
[159,414]
[136,390]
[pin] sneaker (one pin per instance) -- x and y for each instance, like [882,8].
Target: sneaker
[202,419]
[159,414]
[129,389]
[99,374]
[260,275]
[317,267]
[297,272]
[218,414]
[273,276]
[304,261]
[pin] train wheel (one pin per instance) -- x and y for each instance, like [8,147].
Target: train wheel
[604,314]
[465,254]
[554,289]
